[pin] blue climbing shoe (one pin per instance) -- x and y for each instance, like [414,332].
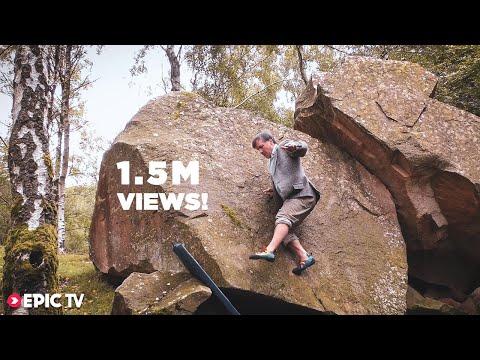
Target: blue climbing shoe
[302,266]
[263,255]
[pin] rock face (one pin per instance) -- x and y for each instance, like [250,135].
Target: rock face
[424,151]
[353,231]
[159,294]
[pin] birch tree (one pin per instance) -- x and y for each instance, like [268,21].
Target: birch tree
[31,256]
[65,111]
[65,81]
[64,125]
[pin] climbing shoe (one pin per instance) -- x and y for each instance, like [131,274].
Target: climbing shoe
[263,255]
[303,265]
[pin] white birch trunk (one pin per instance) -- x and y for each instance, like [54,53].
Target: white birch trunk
[30,170]
[30,263]
[65,122]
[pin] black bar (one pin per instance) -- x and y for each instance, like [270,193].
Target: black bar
[196,270]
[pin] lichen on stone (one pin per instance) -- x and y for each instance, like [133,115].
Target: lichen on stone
[232,215]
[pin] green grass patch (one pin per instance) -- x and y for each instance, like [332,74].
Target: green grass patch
[78,276]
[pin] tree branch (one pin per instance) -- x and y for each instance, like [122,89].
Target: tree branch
[246,71]
[5,49]
[7,125]
[6,84]
[258,92]
[335,49]
[84,84]
[139,61]
[4,142]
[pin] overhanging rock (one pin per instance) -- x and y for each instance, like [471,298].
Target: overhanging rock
[424,151]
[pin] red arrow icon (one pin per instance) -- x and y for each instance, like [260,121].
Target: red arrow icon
[14,300]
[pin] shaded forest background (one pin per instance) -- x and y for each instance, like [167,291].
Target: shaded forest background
[262,79]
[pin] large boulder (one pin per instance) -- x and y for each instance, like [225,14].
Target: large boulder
[353,232]
[424,151]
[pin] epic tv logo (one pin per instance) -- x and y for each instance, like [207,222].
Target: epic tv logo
[46,300]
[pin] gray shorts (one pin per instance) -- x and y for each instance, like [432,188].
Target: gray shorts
[293,212]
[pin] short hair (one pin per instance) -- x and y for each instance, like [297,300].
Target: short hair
[264,135]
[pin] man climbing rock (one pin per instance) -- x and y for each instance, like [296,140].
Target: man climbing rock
[292,190]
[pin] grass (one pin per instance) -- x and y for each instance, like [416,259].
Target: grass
[78,276]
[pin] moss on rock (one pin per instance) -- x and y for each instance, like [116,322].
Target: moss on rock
[232,214]
[191,95]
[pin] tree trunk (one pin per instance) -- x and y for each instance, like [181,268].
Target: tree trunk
[31,257]
[174,67]
[58,160]
[54,75]
[65,123]
[301,63]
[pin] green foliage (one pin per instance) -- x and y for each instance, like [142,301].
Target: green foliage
[221,72]
[458,67]
[229,74]
[79,205]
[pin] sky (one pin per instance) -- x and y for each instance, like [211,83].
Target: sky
[115,95]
